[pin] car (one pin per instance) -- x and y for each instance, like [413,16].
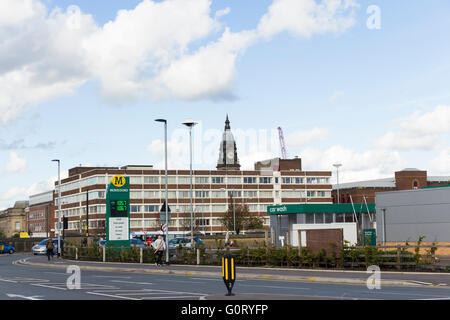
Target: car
[185,242]
[138,243]
[5,248]
[41,247]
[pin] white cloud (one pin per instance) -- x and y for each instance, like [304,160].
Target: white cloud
[440,164]
[300,138]
[307,17]
[148,51]
[356,165]
[421,130]
[15,163]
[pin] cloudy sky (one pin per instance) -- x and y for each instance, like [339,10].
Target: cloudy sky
[363,83]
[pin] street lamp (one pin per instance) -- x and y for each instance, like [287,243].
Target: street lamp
[167,189]
[59,206]
[190,123]
[337,165]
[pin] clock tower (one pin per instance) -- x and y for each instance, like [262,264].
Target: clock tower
[228,159]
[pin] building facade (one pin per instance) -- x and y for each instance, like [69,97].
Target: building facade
[41,215]
[409,214]
[275,181]
[13,220]
[407,179]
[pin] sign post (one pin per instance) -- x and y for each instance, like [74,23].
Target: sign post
[118,212]
[369,237]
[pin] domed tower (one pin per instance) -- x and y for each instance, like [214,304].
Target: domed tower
[228,159]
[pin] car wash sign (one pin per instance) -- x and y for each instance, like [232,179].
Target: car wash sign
[118,211]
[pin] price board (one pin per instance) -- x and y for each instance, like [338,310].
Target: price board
[118,212]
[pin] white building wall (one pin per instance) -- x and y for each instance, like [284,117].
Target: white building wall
[349,228]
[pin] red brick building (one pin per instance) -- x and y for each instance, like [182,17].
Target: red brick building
[41,215]
[407,179]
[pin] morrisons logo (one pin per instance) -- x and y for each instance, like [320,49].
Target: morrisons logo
[118,181]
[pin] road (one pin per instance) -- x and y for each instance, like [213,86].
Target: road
[25,282]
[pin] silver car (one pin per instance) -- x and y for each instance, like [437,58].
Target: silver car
[41,247]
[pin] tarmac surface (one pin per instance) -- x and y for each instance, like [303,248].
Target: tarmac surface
[27,277]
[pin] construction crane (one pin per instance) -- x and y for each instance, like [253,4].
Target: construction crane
[282,144]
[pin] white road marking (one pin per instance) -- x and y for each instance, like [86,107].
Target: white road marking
[171,298]
[120,281]
[208,279]
[112,296]
[274,287]
[5,280]
[23,297]
[119,277]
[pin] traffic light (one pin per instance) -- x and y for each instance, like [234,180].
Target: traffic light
[229,272]
[65,223]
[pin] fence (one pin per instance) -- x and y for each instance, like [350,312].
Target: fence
[22,245]
[386,257]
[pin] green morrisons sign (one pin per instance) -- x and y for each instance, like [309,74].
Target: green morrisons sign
[118,212]
[320,208]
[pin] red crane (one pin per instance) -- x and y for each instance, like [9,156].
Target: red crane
[282,145]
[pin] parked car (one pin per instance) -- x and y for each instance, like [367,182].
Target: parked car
[41,247]
[138,243]
[5,248]
[185,242]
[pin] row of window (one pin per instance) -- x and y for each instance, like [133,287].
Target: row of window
[184,208]
[196,180]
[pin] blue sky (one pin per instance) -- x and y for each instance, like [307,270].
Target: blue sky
[375,100]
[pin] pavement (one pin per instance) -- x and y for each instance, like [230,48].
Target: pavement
[253,273]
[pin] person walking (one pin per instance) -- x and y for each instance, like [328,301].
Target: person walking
[159,246]
[49,246]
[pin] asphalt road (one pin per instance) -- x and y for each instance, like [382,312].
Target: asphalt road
[19,282]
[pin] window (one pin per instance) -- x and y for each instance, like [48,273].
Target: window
[202,222]
[265,180]
[249,179]
[276,179]
[311,194]
[218,194]
[152,194]
[184,194]
[201,194]
[202,180]
[265,194]
[170,180]
[234,180]
[218,180]
[184,180]
[415,185]
[298,180]
[151,180]
[135,208]
[250,194]
[286,180]
[151,208]
[17,226]
[135,180]
[235,194]
[135,194]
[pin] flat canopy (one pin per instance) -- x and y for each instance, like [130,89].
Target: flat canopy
[320,208]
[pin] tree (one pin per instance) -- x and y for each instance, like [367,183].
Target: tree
[240,218]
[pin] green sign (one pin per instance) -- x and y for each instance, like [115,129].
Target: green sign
[118,212]
[369,237]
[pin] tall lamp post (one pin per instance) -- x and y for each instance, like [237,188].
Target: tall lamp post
[59,206]
[190,123]
[167,189]
[337,165]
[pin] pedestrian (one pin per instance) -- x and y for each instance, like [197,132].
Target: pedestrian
[159,246]
[49,246]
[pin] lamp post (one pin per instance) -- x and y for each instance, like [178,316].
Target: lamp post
[59,206]
[337,165]
[190,123]
[167,189]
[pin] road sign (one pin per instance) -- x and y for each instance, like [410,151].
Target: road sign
[164,227]
[369,237]
[118,211]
